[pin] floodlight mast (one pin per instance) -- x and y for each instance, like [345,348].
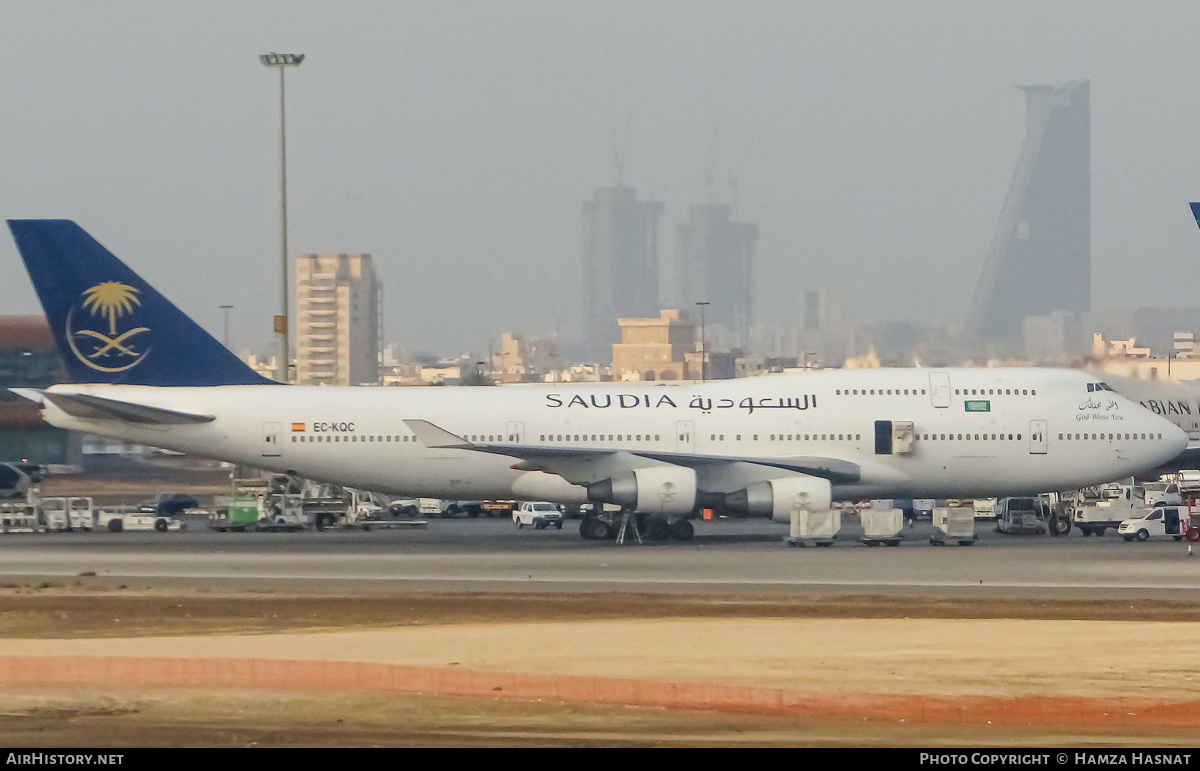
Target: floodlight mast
[282,62]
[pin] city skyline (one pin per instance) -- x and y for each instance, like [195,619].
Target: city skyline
[871,143]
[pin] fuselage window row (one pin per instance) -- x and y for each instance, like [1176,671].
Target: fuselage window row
[967,437]
[1110,437]
[880,392]
[773,437]
[922,392]
[352,438]
[598,438]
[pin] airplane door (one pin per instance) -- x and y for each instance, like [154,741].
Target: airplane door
[271,436]
[883,437]
[939,389]
[514,431]
[1171,521]
[1037,437]
[686,431]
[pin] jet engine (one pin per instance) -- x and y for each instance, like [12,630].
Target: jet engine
[778,498]
[654,490]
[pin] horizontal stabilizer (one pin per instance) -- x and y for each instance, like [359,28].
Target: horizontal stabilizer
[102,408]
[32,394]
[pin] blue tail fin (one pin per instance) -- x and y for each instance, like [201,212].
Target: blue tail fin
[1195,211]
[110,325]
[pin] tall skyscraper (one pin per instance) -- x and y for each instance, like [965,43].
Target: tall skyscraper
[620,264]
[1040,259]
[714,263]
[338,337]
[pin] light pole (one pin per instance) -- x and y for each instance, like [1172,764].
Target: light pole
[226,308]
[703,347]
[282,62]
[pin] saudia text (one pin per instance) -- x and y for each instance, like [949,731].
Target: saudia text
[701,403]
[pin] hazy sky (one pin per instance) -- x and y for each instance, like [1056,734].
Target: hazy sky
[872,143]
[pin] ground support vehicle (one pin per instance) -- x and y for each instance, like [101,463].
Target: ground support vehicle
[280,512]
[815,528]
[1191,509]
[19,480]
[882,526]
[1054,508]
[403,507]
[1161,494]
[168,505]
[19,518]
[362,513]
[985,508]
[954,525]
[325,512]
[435,508]
[256,508]
[1158,522]
[240,515]
[432,507]
[67,514]
[538,514]
[1020,515]
[1095,511]
[1192,531]
[328,506]
[129,518]
[497,509]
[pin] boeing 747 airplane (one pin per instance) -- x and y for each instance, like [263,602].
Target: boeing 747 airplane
[765,446]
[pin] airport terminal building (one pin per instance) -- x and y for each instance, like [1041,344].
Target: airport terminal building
[29,359]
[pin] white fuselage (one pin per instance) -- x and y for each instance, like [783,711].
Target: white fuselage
[978,432]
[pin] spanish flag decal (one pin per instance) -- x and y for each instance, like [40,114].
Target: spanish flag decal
[297,428]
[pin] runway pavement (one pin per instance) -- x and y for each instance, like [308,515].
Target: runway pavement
[726,557]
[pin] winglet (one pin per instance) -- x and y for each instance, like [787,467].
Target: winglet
[437,438]
[1195,211]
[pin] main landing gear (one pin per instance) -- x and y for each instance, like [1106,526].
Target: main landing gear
[641,527]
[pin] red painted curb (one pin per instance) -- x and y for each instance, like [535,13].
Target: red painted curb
[456,681]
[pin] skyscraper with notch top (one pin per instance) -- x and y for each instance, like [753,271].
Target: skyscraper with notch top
[1039,261]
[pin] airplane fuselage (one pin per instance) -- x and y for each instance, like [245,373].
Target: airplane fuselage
[975,432]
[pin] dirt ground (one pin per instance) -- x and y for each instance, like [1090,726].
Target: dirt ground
[854,644]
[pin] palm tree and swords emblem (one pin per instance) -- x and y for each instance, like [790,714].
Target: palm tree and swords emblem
[109,300]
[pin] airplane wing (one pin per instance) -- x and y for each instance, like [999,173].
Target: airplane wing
[583,466]
[103,408]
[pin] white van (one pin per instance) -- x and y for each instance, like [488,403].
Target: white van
[1161,522]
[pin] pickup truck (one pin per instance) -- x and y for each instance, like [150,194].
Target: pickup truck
[540,514]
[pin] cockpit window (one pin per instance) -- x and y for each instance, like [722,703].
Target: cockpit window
[1098,387]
